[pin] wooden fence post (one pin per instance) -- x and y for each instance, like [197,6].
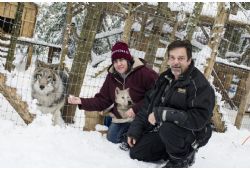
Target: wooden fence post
[214,42]
[15,101]
[82,56]
[14,34]
[243,104]
[29,58]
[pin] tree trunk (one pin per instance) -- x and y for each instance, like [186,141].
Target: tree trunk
[66,33]
[15,101]
[193,20]
[14,35]
[82,56]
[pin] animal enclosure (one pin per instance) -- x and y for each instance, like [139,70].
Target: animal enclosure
[82,34]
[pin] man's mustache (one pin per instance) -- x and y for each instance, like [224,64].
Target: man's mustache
[176,66]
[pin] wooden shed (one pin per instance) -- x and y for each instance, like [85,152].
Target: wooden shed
[7,16]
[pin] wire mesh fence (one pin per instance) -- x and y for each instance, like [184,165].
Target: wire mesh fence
[92,30]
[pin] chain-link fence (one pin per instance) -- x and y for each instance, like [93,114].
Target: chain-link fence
[79,36]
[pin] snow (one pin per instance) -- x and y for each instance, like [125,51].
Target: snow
[232,54]
[109,33]
[136,26]
[160,53]
[166,28]
[3,53]
[41,145]
[224,61]
[209,9]
[201,57]
[31,40]
[7,42]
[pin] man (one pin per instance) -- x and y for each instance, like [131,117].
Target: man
[175,118]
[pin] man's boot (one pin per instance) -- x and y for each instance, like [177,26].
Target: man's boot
[177,162]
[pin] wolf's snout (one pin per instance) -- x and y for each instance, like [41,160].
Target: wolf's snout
[42,87]
[129,103]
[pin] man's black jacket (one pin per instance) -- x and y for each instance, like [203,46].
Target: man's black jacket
[188,102]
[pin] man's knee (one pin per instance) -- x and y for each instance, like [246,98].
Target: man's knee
[136,153]
[148,148]
[168,129]
[175,138]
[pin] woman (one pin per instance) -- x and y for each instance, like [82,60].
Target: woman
[127,82]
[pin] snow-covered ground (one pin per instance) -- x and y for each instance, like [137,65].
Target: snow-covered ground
[41,145]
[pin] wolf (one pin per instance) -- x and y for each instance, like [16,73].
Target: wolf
[123,101]
[49,86]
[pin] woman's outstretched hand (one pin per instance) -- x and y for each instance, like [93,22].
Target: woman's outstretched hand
[74,100]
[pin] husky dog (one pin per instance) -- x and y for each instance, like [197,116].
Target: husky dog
[49,88]
[124,102]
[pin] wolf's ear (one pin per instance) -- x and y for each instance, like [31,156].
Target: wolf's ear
[117,90]
[40,63]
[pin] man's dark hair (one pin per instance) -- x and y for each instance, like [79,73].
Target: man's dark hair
[179,44]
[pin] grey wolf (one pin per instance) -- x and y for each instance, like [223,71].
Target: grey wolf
[49,88]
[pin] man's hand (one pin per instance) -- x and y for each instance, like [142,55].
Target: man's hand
[74,100]
[130,113]
[151,118]
[131,141]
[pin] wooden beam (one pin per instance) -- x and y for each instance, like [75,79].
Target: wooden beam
[15,101]
[29,57]
[243,103]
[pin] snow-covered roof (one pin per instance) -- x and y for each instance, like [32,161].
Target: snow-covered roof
[224,61]
[209,9]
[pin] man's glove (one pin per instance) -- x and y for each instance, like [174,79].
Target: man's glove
[163,114]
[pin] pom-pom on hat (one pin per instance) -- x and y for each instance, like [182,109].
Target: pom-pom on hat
[120,50]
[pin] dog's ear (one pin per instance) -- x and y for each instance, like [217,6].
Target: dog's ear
[127,89]
[117,91]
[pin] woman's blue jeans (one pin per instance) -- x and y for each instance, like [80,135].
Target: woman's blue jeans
[117,132]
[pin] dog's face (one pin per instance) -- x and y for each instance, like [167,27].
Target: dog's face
[123,98]
[45,78]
